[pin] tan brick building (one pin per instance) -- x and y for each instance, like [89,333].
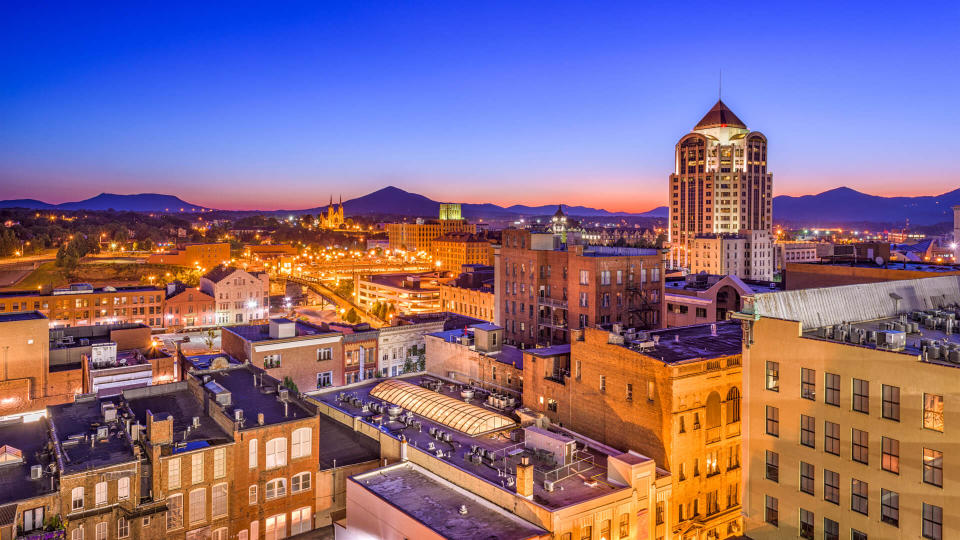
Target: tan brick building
[672,394]
[454,250]
[194,255]
[476,356]
[471,293]
[81,304]
[188,307]
[546,288]
[419,236]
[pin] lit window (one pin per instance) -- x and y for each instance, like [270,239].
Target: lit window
[198,505]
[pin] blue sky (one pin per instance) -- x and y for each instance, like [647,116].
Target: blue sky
[268,105]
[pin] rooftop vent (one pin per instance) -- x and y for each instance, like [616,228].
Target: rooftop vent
[282,329]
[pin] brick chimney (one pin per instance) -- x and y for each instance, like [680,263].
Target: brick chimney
[525,478]
[159,428]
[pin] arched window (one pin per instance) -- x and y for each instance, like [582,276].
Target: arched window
[713,410]
[733,405]
[276,455]
[276,488]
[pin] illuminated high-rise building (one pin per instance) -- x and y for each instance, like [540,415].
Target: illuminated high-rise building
[720,185]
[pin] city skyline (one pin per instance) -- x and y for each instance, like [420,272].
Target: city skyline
[480,106]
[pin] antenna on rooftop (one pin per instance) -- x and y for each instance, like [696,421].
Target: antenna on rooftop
[720,86]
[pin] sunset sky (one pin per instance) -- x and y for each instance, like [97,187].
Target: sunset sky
[277,105]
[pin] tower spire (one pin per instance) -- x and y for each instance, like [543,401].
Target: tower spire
[720,86]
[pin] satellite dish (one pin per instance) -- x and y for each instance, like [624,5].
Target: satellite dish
[879,261]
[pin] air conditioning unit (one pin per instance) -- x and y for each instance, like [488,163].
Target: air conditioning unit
[548,485]
[238,414]
[36,472]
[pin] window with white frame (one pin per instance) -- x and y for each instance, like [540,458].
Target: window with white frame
[254,530]
[101,493]
[198,505]
[173,473]
[123,488]
[218,500]
[101,531]
[252,494]
[324,379]
[220,534]
[76,498]
[300,520]
[123,527]
[271,361]
[276,455]
[275,527]
[300,482]
[243,535]
[275,488]
[196,468]
[325,353]
[219,462]
[174,512]
[301,444]
[253,454]
[77,533]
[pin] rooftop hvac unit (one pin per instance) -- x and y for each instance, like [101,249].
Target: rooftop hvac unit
[238,414]
[36,472]
[892,340]
[283,394]
[103,432]
[548,485]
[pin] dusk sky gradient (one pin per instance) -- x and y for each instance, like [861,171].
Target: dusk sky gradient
[276,105]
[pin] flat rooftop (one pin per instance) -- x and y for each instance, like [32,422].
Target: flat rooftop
[203,362]
[552,350]
[77,424]
[30,439]
[436,503]
[261,332]
[502,450]
[450,320]
[427,282]
[892,265]
[258,394]
[344,446]
[178,401]
[610,251]
[700,341]
[21,316]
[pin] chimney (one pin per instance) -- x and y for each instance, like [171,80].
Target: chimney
[260,419]
[159,430]
[404,445]
[713,329]
[525,478]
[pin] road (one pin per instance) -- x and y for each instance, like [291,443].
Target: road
[342,303]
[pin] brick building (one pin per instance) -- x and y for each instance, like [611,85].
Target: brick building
[194,255]
[476,355]
[471,293]
[454,250]
[545,288]
[814,275]
[82,304]
[406,293]
[188,307]
[241,296]
[419,236]
[672,394]
[703,298]
[311,356]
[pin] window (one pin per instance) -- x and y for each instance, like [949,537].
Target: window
[932,412]
[890,460]
[77,533]
[300,482]
[300,447]
[198,505]
[219,534]
[603,383]
[276,455]
[174,512]
[100,492]
[604,277]
[275,527]
[831,486]
[219,462]
[300,520]
[932,521]
[123,488]
[773,376]
[831,438]
[32,519]
[76,498]
[806,524]
[324,379]
[254,530]
[860,447]
[831,387]
[807,474]
[270,360]
[586,532]
[196,468]
[253,453]
[861,396]
[625,521]
[173,473]
[123,527]
[773,466]
[584,277]
[933,467]
[858,496]
[325,353]
[252,494]
[773,421]
[808,431]
[772,510]
[891,402]
[733,405]
[831,529]
[243,535]
[857,535]
[100,531]
[808,384]
[702,313]
[629,396]
[276,488]
[890,507]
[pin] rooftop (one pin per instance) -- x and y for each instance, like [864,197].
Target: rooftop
[178,401]
[700,341]
[905,265]
[553,350]
[30,439]
[256,392]
[425,281]
[22,316]
[490,456]
[261,332]
[720,116]
[344,446]
[437,504]
[203,362]
[611,251]
[82,443]
[450,320]
[508,354]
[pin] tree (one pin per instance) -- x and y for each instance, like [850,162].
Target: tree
[288,382]
[352,316]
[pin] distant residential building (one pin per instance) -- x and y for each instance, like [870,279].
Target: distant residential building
[241,296]
[703,298]
[406,293]
[720,186]
[194,255]
[269,252]
[310,356]
[359,351]
[546,287]
[402,347]
[454,250]
[471,293]
[477,356]
[188,307]
[788,252]
[82,304]
[747,254]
